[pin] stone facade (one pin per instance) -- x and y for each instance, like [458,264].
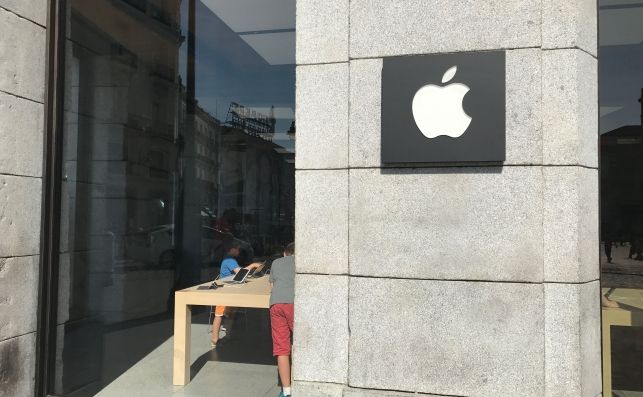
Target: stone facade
[477,281]
[22,90]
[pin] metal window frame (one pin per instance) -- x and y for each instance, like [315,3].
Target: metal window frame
[51,198]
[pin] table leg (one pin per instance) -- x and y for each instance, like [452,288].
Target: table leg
[182,328]
[607,356]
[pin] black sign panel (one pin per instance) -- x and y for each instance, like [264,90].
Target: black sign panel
[444,108]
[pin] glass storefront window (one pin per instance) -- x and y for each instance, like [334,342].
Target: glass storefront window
[621,179]
[179,137]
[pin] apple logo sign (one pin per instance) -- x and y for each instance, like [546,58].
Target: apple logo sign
[444,109]
[438,110]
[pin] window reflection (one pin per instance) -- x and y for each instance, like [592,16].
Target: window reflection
[621,176]
[179,136]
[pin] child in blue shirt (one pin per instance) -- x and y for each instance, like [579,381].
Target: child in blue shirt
[229,266]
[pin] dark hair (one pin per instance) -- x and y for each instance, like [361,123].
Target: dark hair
[290,249]
[232,243]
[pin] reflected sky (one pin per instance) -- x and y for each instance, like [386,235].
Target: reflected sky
[243,57]
[621,63]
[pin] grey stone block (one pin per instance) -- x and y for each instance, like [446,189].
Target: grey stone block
[33,10]
[570,23]
[570,225]
[523,107]
[320,350]
[322,31]
[19,215]
[523,125]
[573,340]
[18,295]
[18,366]
[364,135]
[447,337]
[570,108]
[447,223]
[316,389]
[384,27]
[322,116]
[321,221]
[21,136]
[22,57]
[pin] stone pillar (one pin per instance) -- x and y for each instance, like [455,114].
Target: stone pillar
[475,281]
[22,83]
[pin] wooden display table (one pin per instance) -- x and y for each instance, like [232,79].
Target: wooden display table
[630,315]
[254,293]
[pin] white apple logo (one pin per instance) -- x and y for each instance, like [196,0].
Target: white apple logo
[438,110]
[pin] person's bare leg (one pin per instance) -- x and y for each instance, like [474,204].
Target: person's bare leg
[607,302]
[283,364]
[216,326]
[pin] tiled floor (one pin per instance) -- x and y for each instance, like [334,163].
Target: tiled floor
[242,366]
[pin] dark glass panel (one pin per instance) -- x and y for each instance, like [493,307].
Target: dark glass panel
[179,137]
[621,179]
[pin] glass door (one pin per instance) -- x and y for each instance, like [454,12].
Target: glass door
[179,138]
[621,179]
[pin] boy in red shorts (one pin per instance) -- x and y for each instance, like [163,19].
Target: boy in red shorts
[282,297]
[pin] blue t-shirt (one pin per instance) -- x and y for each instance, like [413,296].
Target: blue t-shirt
[228,264]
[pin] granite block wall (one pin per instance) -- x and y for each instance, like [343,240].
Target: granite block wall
[22,88]
[474,281]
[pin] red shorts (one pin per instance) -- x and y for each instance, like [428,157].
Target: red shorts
[281,321]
